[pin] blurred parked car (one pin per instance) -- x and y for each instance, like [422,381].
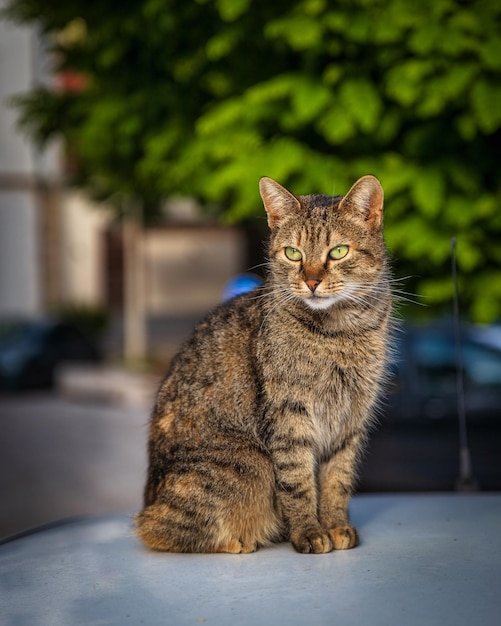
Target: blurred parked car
[32,350]
[416,445]
[424,376]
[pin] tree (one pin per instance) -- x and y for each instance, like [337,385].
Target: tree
[203,97]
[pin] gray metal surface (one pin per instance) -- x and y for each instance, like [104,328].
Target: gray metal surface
[424,559]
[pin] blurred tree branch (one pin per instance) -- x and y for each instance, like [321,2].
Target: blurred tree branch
[203,97]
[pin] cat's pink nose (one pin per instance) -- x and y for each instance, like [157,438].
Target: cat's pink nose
[312,284]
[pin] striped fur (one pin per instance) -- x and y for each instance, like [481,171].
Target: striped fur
[259,424]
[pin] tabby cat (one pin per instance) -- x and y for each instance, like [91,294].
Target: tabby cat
[260,421]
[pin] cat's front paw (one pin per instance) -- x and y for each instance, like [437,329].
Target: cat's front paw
[344,537]
[312,541]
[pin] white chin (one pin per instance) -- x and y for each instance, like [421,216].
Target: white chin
[318,303]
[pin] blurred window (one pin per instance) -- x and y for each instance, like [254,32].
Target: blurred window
[437,364]
[482,367]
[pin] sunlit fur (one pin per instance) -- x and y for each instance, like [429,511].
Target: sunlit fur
[259,424]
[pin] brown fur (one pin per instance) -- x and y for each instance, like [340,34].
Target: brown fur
[259,424]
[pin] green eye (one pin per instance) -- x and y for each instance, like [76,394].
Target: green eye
[293,254]
[339,252]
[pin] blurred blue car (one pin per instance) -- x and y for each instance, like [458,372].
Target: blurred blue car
[31,350]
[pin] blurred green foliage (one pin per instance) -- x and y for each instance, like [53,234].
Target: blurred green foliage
[202,97]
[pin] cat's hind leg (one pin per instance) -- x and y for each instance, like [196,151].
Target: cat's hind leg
[220,504]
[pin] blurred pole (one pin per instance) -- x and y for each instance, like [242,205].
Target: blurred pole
[134,298]
[50,270]
[465,481]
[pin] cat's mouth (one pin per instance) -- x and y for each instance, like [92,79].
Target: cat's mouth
[318,302]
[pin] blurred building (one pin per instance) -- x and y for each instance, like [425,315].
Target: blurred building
[50,238]
[22,172]
[57,250]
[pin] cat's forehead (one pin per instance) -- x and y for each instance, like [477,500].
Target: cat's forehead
[318,219]
[319,205]
[319,212]
[319,201]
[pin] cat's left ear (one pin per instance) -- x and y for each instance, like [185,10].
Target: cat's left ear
[277,201]
[365,201]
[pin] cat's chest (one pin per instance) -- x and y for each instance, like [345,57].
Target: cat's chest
[328,373]
[333,378]
[337,403]
[324,366]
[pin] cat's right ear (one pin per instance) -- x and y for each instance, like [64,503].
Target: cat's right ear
[277,201]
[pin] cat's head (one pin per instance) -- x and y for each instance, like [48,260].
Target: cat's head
[326,250]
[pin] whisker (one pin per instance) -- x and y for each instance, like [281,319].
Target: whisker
[370,293]
[286,296]
[380,289]
[255,267]
[269,290]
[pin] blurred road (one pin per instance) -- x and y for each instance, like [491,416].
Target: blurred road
[60,459]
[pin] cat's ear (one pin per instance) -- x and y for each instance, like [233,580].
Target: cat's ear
[365,201]
[277,201]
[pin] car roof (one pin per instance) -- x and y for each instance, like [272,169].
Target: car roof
[423,559]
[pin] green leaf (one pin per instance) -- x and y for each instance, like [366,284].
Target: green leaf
[428,191]
[468,253]
[388,126]
[361,100]
[230,10]
[274,89]
[487,303]
[300,32]
[459,212]
[336,125]
[437,290]
[404,82]
[486,206]
[332,73]
[397,175]
[221,44]
[309,99]
[226,113]
[490,52]
[486,103]
[463,177]
[466,126]
[426,39]
[314,7]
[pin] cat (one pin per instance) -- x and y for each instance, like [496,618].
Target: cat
[259,424]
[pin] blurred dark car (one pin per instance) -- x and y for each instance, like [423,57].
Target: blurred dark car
[424,376]
[416,444]
[32,350]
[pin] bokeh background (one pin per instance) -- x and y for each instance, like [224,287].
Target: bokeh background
[132,138]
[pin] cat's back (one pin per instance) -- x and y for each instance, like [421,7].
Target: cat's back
[216,364]
[231,328]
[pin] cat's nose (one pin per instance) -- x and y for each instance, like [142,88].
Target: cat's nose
[312,284]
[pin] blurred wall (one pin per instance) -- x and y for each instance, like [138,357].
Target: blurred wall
[82,250]
[28,179]
[186,269]
[19,284]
